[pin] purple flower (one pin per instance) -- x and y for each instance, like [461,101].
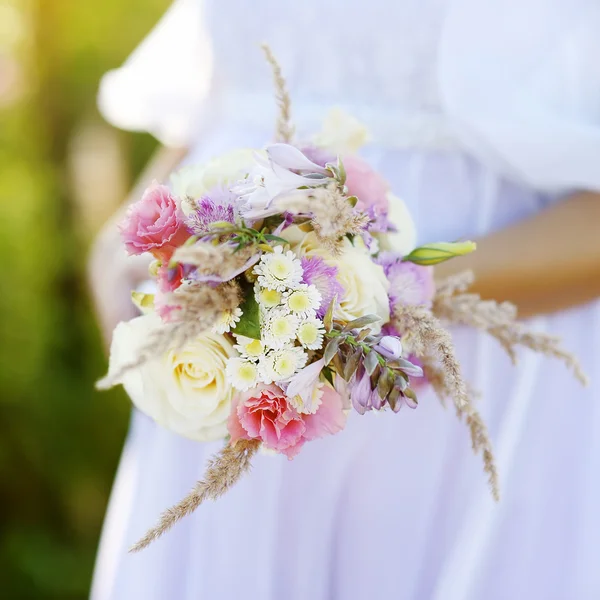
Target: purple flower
[323,277]
[212,208]
[410,284]
[360,392]
[389,347]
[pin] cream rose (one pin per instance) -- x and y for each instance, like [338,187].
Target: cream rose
[341,133]
[195,181]
[404,240]
[185,391]
[365,284]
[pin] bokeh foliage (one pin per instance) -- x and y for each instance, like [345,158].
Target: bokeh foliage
[59,439]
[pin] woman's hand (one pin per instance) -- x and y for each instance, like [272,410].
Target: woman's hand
[112,273]
[547,263]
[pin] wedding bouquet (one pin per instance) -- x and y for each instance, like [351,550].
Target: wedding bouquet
[289,294]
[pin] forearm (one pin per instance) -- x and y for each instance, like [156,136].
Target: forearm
[543,264]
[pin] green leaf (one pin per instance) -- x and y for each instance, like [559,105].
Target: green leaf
[393,398]
[328,319]
[328,375]
[352,364]
[249,323]
[275,238]
[361,322]
[331,349]
[371,361]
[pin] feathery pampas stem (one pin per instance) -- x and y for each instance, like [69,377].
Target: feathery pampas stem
[285,129]
[196,307]
[455,306]
[223,472]
[427,335]
[480,439]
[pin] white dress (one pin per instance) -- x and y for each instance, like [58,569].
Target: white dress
[481,113]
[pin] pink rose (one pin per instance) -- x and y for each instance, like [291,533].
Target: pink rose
[154,224]
[367,185]
[264,413]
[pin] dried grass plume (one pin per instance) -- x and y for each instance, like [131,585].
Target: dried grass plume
[285,129]
[454,305]
[223,472]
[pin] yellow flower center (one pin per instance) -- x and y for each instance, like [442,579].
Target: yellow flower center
[279,268]
[247,372]
[308,333]
[285,366]
[269,298]
[254,348]
[299,301]
[281,327]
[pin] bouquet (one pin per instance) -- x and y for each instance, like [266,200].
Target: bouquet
[289,294]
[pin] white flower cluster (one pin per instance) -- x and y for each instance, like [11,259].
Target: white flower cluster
[288,322]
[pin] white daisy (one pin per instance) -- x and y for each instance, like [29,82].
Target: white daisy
[310,334]
[249,348]
[227,320]
[267,298]
[304,300]
[242,373]
[281,364]
[279,270]
[279,327]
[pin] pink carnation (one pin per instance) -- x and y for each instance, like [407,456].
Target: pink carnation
[367,185]
[154,224]
[265,414]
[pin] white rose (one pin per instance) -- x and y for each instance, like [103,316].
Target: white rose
[185,390]
[194,181]
[404,240]
[341,133]
[365,284]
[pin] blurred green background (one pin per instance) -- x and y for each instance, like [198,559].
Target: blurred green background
[62,172]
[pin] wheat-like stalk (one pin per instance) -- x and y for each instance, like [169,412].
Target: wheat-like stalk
[223,472]
[453,305]
[285,129]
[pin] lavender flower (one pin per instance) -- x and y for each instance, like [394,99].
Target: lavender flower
[389,347]
[410,284]
[360,392]
[324,278]
[218,206]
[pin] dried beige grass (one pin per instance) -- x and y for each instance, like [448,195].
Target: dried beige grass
[212,259]
[453,305]
[333,217]
[285,129]
[427,336]
[196,308]
[222,473]
[480,439]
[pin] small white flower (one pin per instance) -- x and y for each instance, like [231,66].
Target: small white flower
[310,407]
[242,373]
[310,334]
[279,327]
[227,320]
[279,270]
[249,348]
[281,364]
[304,300]
[267,298]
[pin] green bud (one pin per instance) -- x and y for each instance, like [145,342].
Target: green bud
[433,254]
